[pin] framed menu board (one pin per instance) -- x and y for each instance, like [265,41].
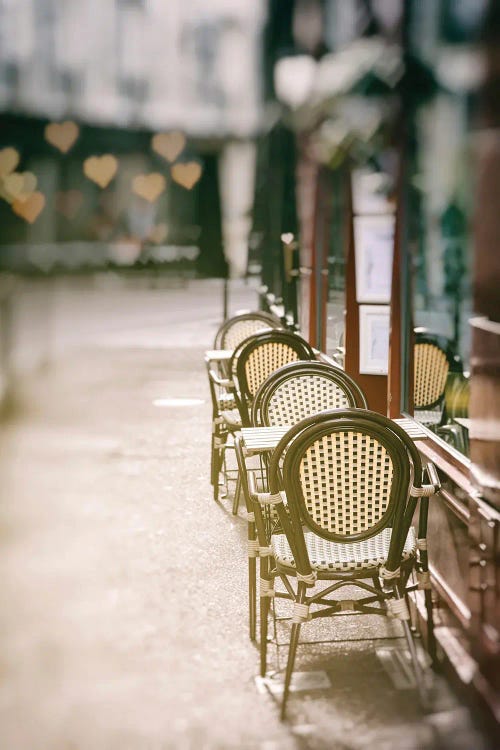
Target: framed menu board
[374,339]
[374,244]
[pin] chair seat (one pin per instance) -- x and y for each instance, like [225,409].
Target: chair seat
[328,556]
[428,417]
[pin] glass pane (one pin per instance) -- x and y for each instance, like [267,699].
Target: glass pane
[441,192]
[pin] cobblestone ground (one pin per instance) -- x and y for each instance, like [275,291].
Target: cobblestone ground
[123,600]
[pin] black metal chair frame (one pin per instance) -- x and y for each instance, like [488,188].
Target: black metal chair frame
[390,582]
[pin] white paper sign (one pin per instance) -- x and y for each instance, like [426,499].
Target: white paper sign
[374,244]
[374,339]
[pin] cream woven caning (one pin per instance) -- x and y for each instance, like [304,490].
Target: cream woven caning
[226,401]
[242,330]
[431,371]
[346,480]
[428,416]
[264,360]
[332,556]
[302,396]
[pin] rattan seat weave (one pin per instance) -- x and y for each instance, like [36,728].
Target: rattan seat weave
[326,556]
[428,416]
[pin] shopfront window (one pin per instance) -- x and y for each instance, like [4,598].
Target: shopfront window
[440,194]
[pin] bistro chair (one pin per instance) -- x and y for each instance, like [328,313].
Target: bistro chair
[433,360]
[345,485]
[292,393]
[252,361]
[454,430]
[229,335]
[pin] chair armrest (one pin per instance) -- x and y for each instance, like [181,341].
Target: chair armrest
[426,490]
[252,475]
[222,382]
[262,498]
[252,488]
[433,476]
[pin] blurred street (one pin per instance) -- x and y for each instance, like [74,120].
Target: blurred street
[123,603]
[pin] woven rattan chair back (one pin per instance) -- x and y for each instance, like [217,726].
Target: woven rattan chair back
[258,357]
[432,359]
[431,371]
[236,329]
[347,475]
[301,389]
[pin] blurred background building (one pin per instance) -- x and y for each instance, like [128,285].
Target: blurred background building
[122,71]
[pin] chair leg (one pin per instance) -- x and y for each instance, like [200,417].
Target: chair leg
[237,494]
[431,639]
[212,459]
[217,467]
[264,617]
[216,461]
[424,567]
[417,669]
[292,650]
[220,459]
[252,596]
[416,665]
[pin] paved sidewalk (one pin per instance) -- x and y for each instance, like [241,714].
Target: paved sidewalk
[123,602]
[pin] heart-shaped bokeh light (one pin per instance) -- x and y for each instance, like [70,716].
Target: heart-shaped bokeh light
[9,159]
[168,145]
[100,169]
[30,208]
[186,173]
[62,135]
[149,186]
[12,186]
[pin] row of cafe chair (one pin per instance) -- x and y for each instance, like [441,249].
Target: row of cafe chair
[334,500]
[234,379]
